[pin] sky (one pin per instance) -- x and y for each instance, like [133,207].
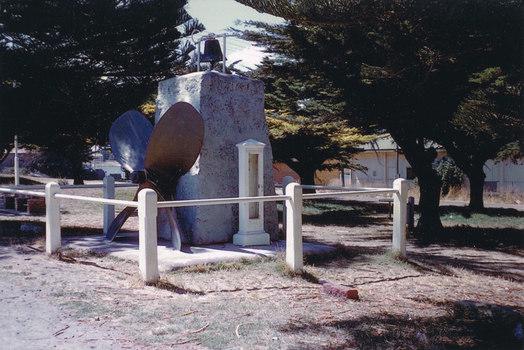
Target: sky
[219,15]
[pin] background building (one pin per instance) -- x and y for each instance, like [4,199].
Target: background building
[385,162]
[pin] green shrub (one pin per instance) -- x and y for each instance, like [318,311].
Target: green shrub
[450,174]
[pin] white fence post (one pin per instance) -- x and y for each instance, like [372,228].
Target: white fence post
[53,237]
[109,193]
[147,238]
[399,216]
[286,180]
[16,164]
[294,249]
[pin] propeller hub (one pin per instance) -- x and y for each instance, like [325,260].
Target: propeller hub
[138,176]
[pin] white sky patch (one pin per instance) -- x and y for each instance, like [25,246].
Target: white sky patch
[251,56]
[220,15]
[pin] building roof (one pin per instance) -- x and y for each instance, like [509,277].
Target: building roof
[385,142]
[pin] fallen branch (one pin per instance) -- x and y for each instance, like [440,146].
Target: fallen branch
[68,259]
[182,342]
[236,330]
[198,330]
[188,313]
[57,333]
[35,249]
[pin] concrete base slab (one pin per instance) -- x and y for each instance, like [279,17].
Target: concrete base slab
[168,259]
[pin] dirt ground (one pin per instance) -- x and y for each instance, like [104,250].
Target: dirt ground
[462,291]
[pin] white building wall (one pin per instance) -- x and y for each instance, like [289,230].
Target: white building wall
[381,169]
[380,160]
[504,176]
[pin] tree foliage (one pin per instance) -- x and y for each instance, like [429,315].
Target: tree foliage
[305,115]
[402,66]
[307,144]
[70,67]
[485,125]
[489,118]
[450,174]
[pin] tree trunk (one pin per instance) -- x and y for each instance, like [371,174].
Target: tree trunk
[429,223]
[421,160]
[476,188]
[307,177]
[78,181]
[77,173]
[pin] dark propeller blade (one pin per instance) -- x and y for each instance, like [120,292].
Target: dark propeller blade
[129,136]
[122,217]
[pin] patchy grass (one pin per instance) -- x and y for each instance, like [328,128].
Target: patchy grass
[490,217]
[165,284]
[223,266]
[510,196]
[285,271]
[389,258]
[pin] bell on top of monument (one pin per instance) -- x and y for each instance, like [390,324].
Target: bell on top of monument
[212,53]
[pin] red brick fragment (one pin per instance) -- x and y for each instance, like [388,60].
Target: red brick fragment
[340,291]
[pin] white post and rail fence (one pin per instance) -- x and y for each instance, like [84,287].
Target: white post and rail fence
[148,205]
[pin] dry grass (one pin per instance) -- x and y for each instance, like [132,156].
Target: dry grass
[504,196]
[462,291]
[224,266]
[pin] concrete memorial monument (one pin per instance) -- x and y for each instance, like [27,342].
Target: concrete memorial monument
[232,109]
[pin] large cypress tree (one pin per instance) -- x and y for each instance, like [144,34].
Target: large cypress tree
[402,66]
[70,67]
[486,122]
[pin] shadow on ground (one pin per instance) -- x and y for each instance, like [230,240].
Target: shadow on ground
[345,213]
[509,240]
[466,212]
[466,325]
[28,232]
[442,264]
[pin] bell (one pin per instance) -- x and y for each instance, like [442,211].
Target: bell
[212,52]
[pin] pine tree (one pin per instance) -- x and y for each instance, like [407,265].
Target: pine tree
[70,67]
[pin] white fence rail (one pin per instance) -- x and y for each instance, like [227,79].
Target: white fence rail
[148,205]
[217,201]
[346,193]
[69,187]
[22,192]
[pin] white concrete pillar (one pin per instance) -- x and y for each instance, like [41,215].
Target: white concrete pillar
[294,249]
[386,175]
[16,163]
[53,236]
[224,59]
[286,180]
[109,210]
[399,216]
[251,184]
[147,235]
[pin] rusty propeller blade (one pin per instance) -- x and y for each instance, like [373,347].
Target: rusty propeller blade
[120,219]
[176,141]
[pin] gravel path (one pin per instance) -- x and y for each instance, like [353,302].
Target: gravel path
[35,314]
